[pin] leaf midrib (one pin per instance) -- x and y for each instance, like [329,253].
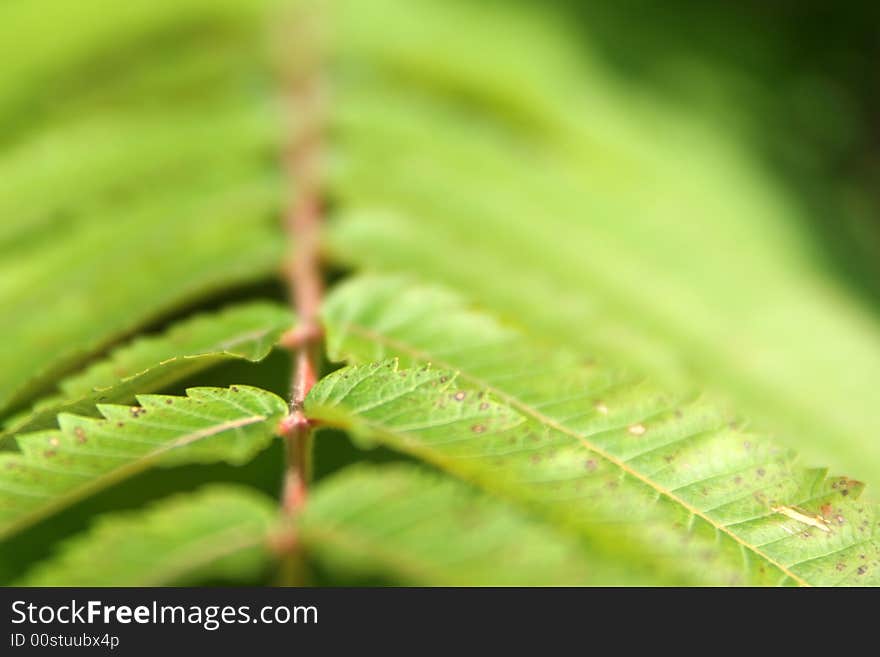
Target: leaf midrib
[549,422]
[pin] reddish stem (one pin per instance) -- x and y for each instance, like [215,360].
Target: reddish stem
[303,274]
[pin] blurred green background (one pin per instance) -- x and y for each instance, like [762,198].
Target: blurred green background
[797,80]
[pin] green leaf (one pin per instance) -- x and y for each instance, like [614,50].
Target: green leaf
[597,214]
[585,445]
[421,528]
[105,159]
[84,47]
[246,331]
[157,268]
[219,533]
[157,142]
[59,467]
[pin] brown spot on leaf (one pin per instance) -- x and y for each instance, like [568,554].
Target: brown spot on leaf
[590,464]
[80,434]
[478,428]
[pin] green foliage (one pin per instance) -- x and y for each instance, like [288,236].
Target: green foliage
[420,528]
[584,444]
[59,467]
[175,206]
[557,293]
[599,217]
[217,534]
[147,364]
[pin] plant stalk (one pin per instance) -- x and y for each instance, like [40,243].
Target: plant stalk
[303,271]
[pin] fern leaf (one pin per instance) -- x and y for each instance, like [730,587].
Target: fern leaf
[219,533]
[159,174]
[421,528]
[540,426]
[248,331]
[47,332]
[596,215]
[59,467]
